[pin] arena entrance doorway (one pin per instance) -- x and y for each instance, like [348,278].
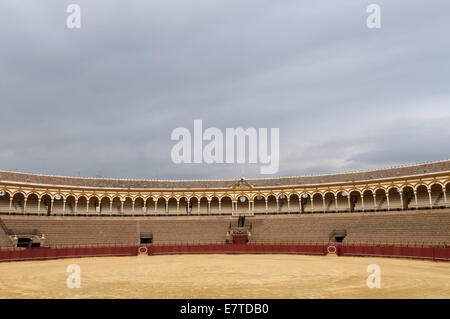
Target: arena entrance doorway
[240,231]
[338,235]
[146,238]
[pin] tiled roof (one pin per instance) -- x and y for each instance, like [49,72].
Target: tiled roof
[410,170]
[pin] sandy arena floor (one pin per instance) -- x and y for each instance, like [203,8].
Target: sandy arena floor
[226,276]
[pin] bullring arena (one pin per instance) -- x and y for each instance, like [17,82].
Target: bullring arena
[291,237]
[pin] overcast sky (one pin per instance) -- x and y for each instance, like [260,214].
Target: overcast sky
[103,100]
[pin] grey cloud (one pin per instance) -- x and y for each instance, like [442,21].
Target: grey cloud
[105,98]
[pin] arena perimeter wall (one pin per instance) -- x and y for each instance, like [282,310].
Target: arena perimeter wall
[431,253]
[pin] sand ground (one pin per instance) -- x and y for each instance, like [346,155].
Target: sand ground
[225,276]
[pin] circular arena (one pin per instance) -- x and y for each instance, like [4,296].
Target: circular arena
[226,276]
[291,237]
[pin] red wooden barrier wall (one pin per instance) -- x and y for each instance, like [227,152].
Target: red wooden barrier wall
[434,253]
[52,253]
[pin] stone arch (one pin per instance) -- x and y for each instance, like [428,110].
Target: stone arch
[70,205]
[214,208]
[105,205]
[58,204]
[281,195]
[203,205]
[184,205]
[271,203]
[4,201]
[408,197]
[172,206]
[282,202]
[305,200]
[342,200]
[330,201]
[226,204]
[259,203]
[128,206]
[116,206]
[294,203]
[18,203]
[193,206]
[151,205]
[355,200]
[242,203]
[394,202]
[161,206]
[32,204]
[367,200]
[317,202]
[139,206]
[437,195]
[46,205]
[94,205]
[380,199]
[423,200]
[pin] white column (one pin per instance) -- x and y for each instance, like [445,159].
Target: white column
[209,206]
[267,205]
[132,207]
[362,201]
[167,207]
[415,199]
[76,206]
[198,207]
[401,201]
[374,201]
[387,199]
[249,206]
[87,206]
[64,206]
[278,206]
[121,206]
[312,203]
[324,204]
[429,197]
[349,200]
[445,197]
[289,205]
[39,206]
[156,206]
[51,206]
[25,205]
[220,206]
[10,204]
[335,199]
[110,206]
[178,206]
[144,210]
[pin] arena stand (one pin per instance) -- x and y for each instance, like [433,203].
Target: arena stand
[305,214]
[424,227]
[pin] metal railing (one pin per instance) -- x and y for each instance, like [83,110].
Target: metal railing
[225,214]
[259,242]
